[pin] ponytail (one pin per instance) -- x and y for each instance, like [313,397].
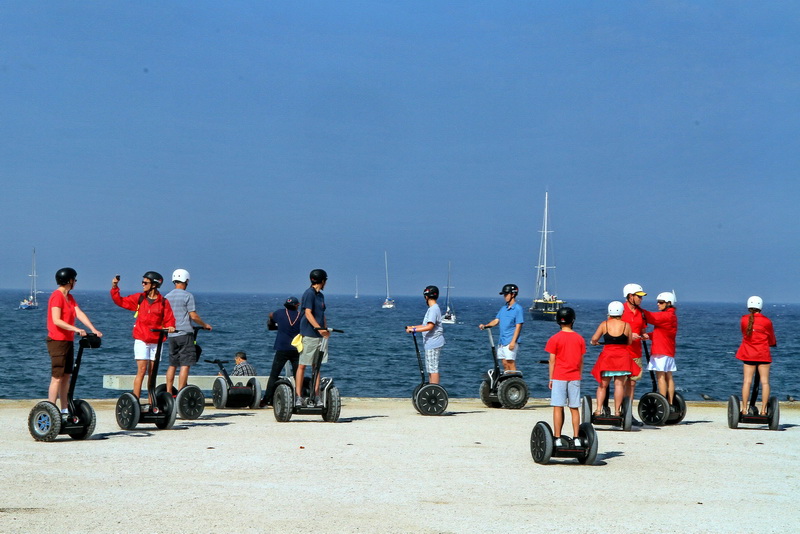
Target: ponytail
[750,322]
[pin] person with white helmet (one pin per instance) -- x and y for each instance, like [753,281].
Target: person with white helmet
[758,335]
[182,351]
[634,293]
[615,359]
[665,330]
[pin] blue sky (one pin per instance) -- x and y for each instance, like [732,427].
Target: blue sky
[250,142]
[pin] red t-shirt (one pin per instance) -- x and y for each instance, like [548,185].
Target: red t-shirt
[67,305]
[569,348]
[756,347]
[638,325]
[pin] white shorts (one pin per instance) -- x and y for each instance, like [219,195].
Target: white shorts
[504,353]
[144,351]
[662,363]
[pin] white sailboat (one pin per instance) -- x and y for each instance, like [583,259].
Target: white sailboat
[31,302]
[356,287]
[449,316]
[545,304]
[389,302]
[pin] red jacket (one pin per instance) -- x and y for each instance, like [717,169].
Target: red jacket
[756,347]
[666,329]
[638,324]
[149,316]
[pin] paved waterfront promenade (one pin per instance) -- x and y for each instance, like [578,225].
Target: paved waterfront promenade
[384,468]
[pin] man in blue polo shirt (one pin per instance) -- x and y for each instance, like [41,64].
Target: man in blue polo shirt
[510,318]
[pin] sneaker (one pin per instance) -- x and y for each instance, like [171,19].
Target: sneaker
[299,402]
[559,443]
[577,442]
[318,401]
[636,422]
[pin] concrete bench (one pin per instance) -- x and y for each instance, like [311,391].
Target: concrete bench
[125,382]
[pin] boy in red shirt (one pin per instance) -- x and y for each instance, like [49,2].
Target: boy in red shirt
[566,349]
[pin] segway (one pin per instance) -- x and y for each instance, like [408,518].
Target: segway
[753,417]
[190,399]
[427,398]
[46,421]
[654,408]
[543,444]
[161,409]
[624,420]
[226,394]
[502,389]
[283,400]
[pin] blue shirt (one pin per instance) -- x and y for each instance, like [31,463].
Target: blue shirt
[433,338]
[182,303]
[509,319]
[288,322]
[314,301]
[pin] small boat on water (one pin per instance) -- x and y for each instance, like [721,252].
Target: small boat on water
[389,302]
[356,287]
[31,302]
[449,316]
[545,304]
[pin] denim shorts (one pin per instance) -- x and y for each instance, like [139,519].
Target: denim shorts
[564,390]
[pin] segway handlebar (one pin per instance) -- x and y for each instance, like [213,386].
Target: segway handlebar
[331,330]
[217,361]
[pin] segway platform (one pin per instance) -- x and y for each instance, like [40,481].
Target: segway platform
[543,444]
[624,420]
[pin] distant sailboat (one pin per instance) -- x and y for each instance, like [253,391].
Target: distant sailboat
[356,287]
[545,305]
[32,302]
[389,302]
[449,316]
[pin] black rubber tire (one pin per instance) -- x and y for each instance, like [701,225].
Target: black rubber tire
[679,407]
[774,413]
[586,409]
[191,402]
[513,393]
[431,399]
[128,411]
[627,414]
[219,393]
[414,396]
[44,421]
[166,405]
[734,411]
[333,405]
[87,418]
[282,403]
[255,387]
[653,409]
[484,393]
[163,387]
[541,443]
[589,440]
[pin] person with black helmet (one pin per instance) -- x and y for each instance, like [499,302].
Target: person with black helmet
[566,349]
[313,328]
[432,333]
[152,310]
[510,318]
[62,311]
[287,323]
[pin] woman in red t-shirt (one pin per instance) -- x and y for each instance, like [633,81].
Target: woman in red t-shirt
[758,336]
[62,310]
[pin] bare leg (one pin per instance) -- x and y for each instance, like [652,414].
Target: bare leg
[749,371]
[602,389]
[576,421]
[763,373]
[558,420]
[434,378]
[169,377]
[183,379]
[141,370]
[670,387]
[619,393]
[298,379]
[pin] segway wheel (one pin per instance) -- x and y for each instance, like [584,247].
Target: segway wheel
[282,402]
[333,405]
[586,409]
[255,387]
[589,440]
[679,409]
[513,393]
[219,393]
[734,411]
[191,402]
[414,396]
[44,421]
[128,411]
[163,387]
[485,393]
[431,399]
[167,406]
[86,418]
[653,409]
[774,413]
[627,414]
[541,443]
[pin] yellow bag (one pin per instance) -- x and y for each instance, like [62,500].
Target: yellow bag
[297,343]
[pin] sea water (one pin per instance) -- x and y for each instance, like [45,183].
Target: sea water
[376,358]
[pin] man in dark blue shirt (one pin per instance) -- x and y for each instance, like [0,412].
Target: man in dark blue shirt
[287,323]
[313,329]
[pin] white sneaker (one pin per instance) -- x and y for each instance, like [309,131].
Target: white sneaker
[577,442]
[559,443]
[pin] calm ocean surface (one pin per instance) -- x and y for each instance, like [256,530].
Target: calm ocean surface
[375,358]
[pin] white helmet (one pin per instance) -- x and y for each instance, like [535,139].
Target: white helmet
[615,309]
[667,296]
[180,275]
[635,289]
[755,302]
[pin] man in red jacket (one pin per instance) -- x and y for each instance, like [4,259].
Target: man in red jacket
[632,315]
[152,311]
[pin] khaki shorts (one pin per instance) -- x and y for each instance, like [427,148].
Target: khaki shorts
[638,361]
[62,357]
[311,347]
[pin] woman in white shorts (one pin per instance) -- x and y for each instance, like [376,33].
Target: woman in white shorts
[662,359]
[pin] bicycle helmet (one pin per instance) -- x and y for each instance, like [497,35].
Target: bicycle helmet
[431,292]
[755,302]
[318,276]
[155,278]
[510,289]
[667,296]
[65,276]
[565,316]
[180,275]
[633,289]
[615,309]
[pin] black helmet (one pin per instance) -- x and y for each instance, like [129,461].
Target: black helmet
[431,292]
[565,315]
[510,289]
[66,275]
[154,277]
[318,276]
